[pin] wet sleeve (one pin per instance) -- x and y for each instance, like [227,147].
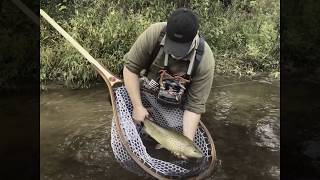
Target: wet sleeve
[136,59]
[200,86]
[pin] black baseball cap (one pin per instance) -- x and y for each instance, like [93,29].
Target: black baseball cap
[182,27]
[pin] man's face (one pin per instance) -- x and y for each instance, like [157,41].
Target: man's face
[186,57]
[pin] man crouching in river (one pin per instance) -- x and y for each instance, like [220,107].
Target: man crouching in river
[179,61]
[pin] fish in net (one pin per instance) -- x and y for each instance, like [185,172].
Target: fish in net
[135,138]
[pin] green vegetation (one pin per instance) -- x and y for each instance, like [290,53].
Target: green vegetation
[244,36]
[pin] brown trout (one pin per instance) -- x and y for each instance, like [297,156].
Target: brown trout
[171,140]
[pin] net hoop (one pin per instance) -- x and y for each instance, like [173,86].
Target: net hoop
[142,165]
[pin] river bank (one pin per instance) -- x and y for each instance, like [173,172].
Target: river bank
[244,37]
[218,81]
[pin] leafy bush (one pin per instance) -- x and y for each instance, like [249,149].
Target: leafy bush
[244,37]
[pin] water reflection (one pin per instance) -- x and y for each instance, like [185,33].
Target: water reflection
[268,129]
[243,119]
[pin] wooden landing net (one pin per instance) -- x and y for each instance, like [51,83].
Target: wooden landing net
[126,141]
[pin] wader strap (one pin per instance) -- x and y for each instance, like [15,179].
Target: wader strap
[156,48]
[199,54]
[192,60]
[166,56]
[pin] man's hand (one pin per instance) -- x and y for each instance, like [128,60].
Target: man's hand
[131,82]
[190,123]
[139,114]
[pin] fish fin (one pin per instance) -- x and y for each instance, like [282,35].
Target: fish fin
[158,146]
[184,157]
[181,156]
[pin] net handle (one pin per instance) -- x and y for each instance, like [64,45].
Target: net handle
[110,79]
[27,11]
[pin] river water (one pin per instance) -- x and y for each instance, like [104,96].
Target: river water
[243,118]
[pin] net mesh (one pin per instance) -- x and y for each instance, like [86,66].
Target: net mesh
[165,116]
